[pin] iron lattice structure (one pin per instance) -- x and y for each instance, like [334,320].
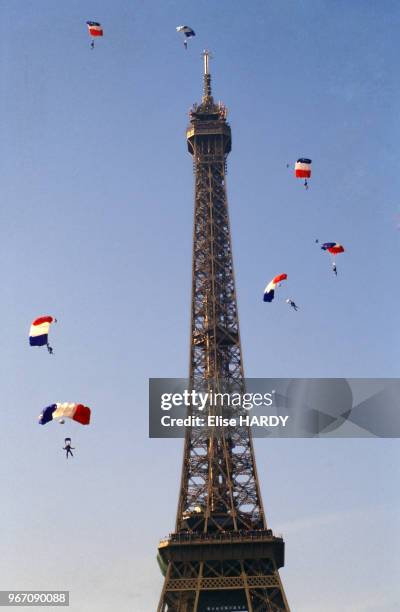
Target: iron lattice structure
[222,556]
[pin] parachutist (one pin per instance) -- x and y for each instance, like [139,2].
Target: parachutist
[306,184]
[292,304]
[50,349]
[334,248]
[68,448]
[92,44]
[187,33]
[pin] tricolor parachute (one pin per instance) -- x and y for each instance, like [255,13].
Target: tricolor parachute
[302,169]
[333,247]
[187,32]
[95,30]
[39,332]
[76,412]
[269,290]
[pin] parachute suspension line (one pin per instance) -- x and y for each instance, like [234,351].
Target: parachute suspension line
[333,264]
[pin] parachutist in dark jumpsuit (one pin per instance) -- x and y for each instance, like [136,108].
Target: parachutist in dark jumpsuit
[68,448]
[334,268]
[92,44]
[306,184]
[49,349]
[292,304]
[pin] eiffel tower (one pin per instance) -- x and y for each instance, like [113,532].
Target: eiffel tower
[222,556]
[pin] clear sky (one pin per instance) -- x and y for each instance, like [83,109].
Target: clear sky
[96,225]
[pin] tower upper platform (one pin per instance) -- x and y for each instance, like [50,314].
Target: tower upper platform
[208,118]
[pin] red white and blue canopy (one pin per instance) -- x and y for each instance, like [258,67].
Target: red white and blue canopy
[95,28]
[186,30]
[302,168]
[76,412]
[39,331]
[269,291]
[333,247]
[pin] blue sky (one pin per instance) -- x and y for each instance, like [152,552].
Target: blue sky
[96,215]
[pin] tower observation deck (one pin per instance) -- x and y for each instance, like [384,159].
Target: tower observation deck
[222,556]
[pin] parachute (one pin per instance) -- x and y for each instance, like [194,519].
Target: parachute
[95,30]
[39,332]
[269,290]
[76,412]
[333,247]
[302,169]
[187,32]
